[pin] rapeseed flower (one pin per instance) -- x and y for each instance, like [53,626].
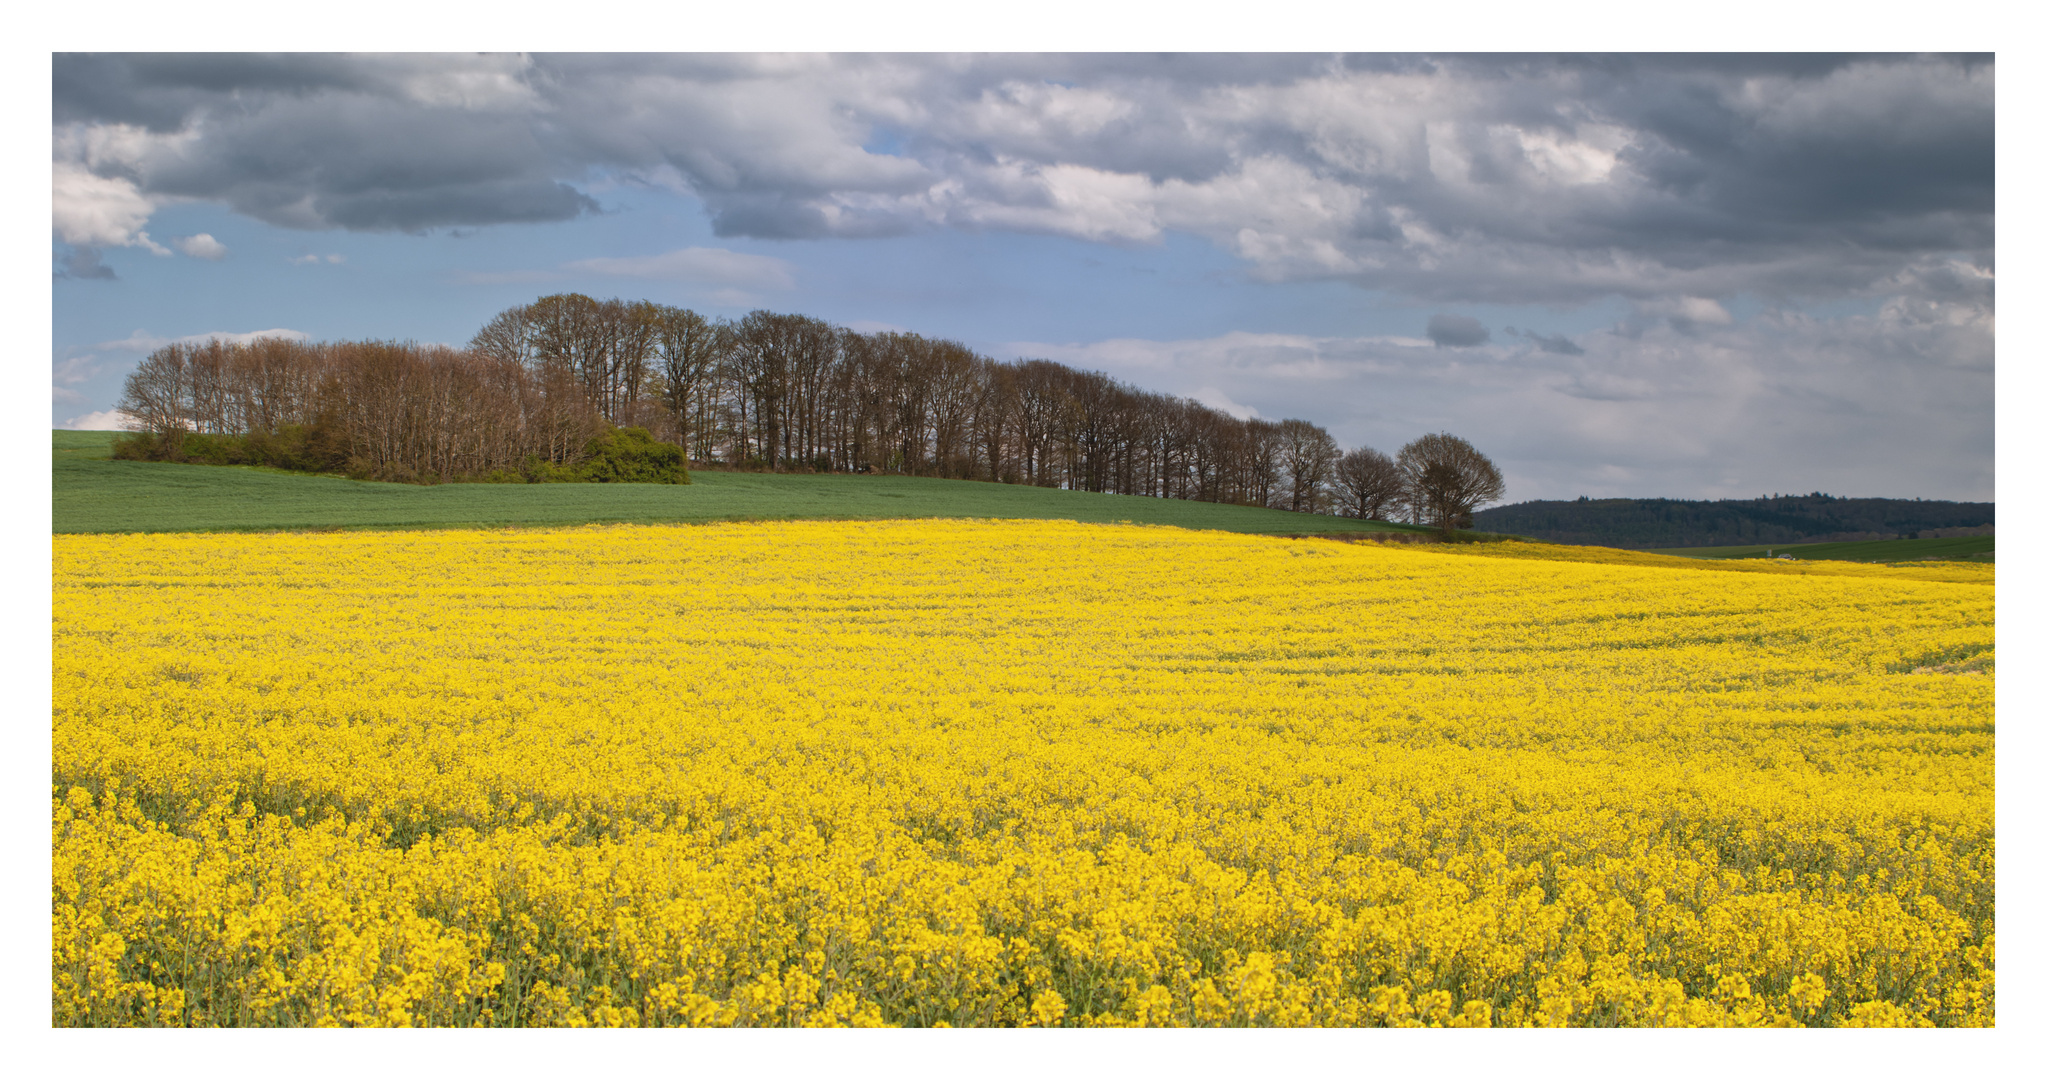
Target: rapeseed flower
[1008,773]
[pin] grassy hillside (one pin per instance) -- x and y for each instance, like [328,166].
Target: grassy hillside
[1953,547]
[92,493]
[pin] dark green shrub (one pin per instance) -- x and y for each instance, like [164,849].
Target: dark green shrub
[632,456]
[316,447]
[202,449]
[140,446]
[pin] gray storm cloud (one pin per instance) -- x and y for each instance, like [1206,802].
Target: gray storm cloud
[1454,179]
[1550,343]
[84,264]
[1457,331]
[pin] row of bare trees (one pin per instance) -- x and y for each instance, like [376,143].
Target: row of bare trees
[791,392]
[769,391]
[381,409]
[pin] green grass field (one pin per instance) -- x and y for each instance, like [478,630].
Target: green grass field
[91,493]
[1975,548]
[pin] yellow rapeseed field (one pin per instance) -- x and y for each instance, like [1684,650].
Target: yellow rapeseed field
[1005,773]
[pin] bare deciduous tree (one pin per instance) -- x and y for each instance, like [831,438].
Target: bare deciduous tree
[686,351]
[1307,453]
[1447,478]
[1368,484]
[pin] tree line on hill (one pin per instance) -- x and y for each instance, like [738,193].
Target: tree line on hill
[542,387]
[377,410]
[1780,519]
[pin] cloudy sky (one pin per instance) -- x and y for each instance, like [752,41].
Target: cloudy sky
[1688,276]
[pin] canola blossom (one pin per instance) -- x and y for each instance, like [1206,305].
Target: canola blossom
[1008,773]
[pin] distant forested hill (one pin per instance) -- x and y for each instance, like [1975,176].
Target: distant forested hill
[1785,519]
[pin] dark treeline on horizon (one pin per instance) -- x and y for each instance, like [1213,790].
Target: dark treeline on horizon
[541,382]
[1784,519]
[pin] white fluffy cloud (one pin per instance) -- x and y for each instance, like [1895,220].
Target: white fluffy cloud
[201,246]
[101,211]
[102,420]
[95,197]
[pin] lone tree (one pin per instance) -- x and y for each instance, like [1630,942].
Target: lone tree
[1308,453]
[1368,484]
[1447,478]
